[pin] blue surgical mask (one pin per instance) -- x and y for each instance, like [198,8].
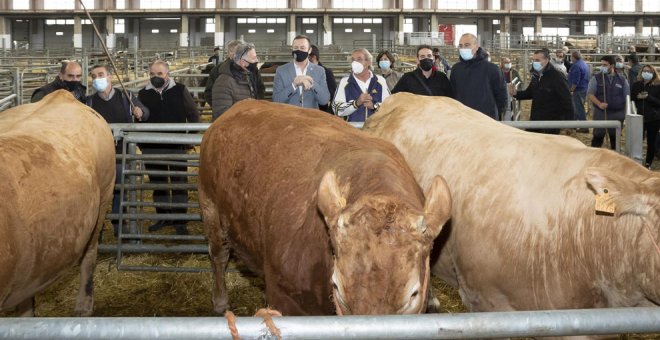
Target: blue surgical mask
[507,66]
[647,76]
[619,64]
[537,66]
[466,53]
[100,84]
[384,64]
[604,69]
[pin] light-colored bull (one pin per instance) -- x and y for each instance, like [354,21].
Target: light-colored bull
[525,233]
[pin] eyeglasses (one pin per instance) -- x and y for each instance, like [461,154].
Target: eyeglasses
[245,52]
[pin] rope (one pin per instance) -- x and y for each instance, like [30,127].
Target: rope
[231,323]
[267,314]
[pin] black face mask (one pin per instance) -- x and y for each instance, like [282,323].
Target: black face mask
[252,67]
[300,55]
[71,85]
[157,82]
[426,64]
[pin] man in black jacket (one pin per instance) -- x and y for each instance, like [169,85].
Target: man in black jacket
[68,79]
[113,105]
[476,82]
[168,102]
[548,90]
[424,79]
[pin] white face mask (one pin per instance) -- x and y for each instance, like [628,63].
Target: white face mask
[357,67]
[100,84]
[507,66]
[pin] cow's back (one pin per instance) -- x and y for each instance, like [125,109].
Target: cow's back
[57,166]
[524,232]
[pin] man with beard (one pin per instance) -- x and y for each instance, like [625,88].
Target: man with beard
[68,79]
[476,82]
[424,80]
[237,80]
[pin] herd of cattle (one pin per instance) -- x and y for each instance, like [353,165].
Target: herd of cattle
[347,221]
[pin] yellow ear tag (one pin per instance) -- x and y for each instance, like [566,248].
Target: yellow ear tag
[605,203]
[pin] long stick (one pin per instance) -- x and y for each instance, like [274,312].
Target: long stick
[107,53]
[607,131]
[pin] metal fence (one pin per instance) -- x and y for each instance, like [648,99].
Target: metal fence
[426,326]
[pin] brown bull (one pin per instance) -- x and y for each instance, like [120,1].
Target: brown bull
[331,218]
[525,232]
[57,168]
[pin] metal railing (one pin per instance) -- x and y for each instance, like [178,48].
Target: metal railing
[427,326]
[132,190]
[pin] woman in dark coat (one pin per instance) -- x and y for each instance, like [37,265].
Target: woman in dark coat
[646,94]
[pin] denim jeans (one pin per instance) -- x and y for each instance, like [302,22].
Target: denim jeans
[578,104]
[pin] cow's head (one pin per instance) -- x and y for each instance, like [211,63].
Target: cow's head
[636,206]
[381,247]
[628,196]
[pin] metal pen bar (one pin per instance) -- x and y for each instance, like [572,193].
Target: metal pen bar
[426,326]
[173,217]
[163,138]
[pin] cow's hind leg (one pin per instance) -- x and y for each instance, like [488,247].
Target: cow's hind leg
[85,298]
[25,308]
[216,230]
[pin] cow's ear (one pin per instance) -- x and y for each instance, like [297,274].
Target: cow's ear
[626,196]
[437,209]
[330,199]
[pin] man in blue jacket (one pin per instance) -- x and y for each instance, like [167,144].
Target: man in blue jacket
[301,82]
[578,81]
[476,82]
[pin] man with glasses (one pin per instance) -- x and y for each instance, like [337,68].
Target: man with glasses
[237,80]
[68,79]
[301,82]
[548,90]
[424,80]
[476,82]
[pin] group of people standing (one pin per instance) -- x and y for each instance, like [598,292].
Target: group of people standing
[305,82]
[558,90]
[162,100]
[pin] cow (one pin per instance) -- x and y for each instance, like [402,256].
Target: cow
[538,221]
[57,168]
[331,218]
